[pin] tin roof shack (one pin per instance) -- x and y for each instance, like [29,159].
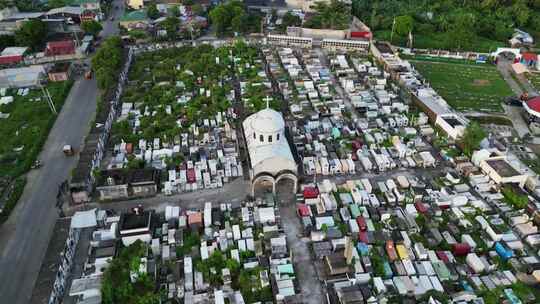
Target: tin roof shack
[12,55]
[60,72]
[22,77]
[58,48]
[136,225]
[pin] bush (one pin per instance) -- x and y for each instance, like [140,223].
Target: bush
[13,198]
[518,201]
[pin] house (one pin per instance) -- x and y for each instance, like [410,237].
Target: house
[12,55]
[60,72]
[135,4]
[87,5]
[58,48]
[520,38]
[134,20]
[530,60]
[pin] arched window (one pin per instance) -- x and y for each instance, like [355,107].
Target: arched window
[261,138]
[277,137]
[254,137]
[269,138]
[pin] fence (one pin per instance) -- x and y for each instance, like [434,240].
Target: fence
[64,270]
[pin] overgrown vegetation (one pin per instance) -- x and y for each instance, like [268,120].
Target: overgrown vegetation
[453,24]
[12,195]
[169,83]
[91,27]
[330,15]
[496,120]
[32,34]
[472,137]
[232,16]
[117,285]
[107,62]
[25,131]
[517,200]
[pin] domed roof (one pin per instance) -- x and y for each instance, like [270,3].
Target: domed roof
[534,104]
[267,121]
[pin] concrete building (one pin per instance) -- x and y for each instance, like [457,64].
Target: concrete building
[271,160]
[498,168]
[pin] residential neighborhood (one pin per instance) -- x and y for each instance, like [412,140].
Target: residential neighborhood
[269,152]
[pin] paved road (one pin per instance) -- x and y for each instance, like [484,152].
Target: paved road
[310,287]
[25,236]
[514,113]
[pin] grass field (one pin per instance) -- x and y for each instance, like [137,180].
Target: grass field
[466,87]
[23,133]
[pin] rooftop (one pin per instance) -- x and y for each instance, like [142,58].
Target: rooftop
[502,167]
[130,221]
[134,16]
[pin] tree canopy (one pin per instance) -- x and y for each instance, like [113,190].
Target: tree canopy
[289,19]
[91,27]
[452,24]
[171,24]
[330,15]
[107,61]
[152,11]
[232,16]
[32,34]
[472,137]
[117,286]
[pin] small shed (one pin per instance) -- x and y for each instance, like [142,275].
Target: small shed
[60,72]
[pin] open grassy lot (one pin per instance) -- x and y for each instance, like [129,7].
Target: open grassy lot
[466,87]
[23,133]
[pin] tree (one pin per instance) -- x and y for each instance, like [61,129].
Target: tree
[175,11]
[91,27]
[32,34]
[232,16]
[117,286]
[171,25]
[332,15]
[404,25]
[197,9]
[219,19]
[56,3]
[107,61]
[237,23]
[472,137]
[289,19]
[6,40]
[152,11]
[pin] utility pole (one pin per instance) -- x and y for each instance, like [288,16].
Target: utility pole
[48,97]
[393,26]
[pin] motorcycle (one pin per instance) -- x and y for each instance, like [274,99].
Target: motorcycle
[36,165]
